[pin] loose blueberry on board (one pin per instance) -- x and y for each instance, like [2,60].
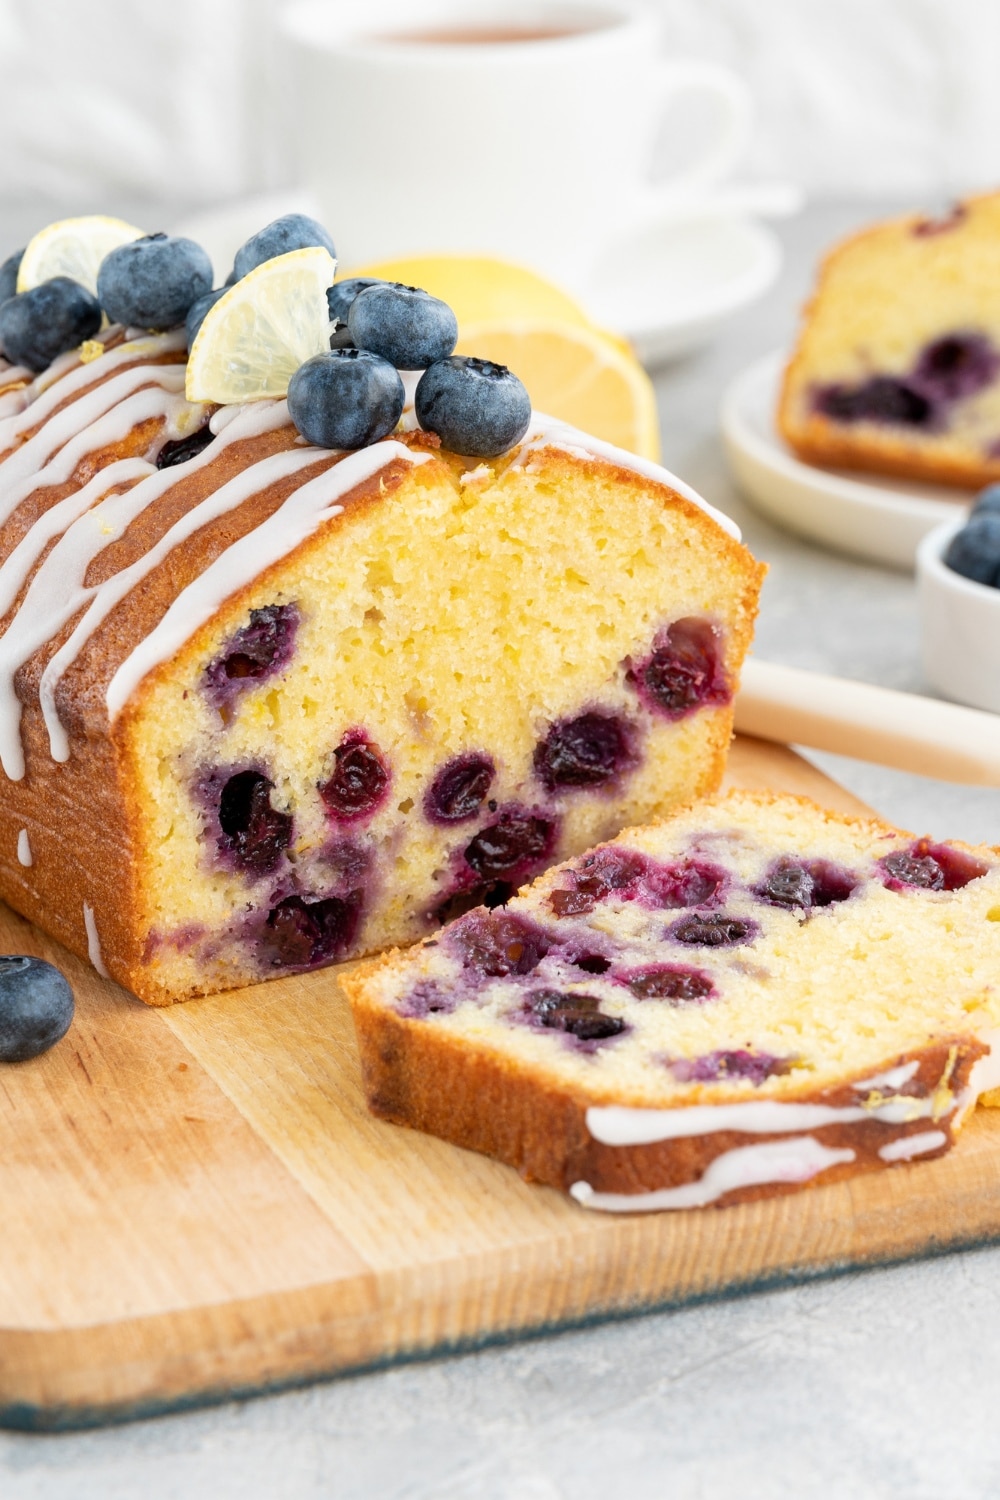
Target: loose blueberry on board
[8,275]
[579,1015]
[475,406]
[36,1007]
[880,399]
[359,782]
[290,232]
[713,932]
[987,502]
[196,313]
[973,552]
[182,450]
[342,294]
[153,282]
[406,326]
[37,326]
[348,398]
[253,832]
[589,750]
[459,788]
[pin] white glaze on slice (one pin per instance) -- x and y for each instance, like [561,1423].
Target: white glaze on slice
[94,941]
[302,513]
[797,1160]
[893,1079]
[909,1146]
[24,849]
[617,1125]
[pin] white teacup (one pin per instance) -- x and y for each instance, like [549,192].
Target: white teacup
[523,130]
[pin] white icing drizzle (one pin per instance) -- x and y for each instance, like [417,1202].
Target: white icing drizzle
[56,592]
[24,849]
[893,1079]
[617,1125]
[80,420]
[300,515]
[547,432]
[796,1160]
[909,1146]
[983,1076]
[94,941]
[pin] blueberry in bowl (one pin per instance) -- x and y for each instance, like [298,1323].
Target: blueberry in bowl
[958,586]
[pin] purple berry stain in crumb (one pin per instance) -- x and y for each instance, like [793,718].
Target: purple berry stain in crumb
[301,931]
[684,671]
[578,1015]
[496,944]
[925,228]
[956,366]
[717,1067]
[360,779]
[675,983]
[717,931]
[630,876]
[931,867]
[882,398]
[806,883]
[256,651]
[252,832]
[589,751]
[459,789]
[592,963]
[427,998]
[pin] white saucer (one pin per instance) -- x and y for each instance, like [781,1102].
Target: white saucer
[670,289]
[884,520]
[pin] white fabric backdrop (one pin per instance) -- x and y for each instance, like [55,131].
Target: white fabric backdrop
[176,97]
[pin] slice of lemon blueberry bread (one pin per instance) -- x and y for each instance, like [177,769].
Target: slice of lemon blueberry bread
[897,366]
[750,995]
[282,683]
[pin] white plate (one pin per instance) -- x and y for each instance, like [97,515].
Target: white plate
[670,289]
[884,520]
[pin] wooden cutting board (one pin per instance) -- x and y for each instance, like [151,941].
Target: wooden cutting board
[195,1204]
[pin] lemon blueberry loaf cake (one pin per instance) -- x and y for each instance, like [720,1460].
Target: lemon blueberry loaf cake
[897,365]
[286,681]
[748,996]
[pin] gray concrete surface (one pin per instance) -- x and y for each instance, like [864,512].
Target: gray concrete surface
[876,1385]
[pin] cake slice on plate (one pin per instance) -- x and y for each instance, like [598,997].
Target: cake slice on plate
[749,996]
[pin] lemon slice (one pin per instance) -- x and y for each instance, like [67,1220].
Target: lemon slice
[479,289]
[74,248]
[255,337]
[580,375]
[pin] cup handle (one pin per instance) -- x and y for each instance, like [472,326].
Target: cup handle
[735,107]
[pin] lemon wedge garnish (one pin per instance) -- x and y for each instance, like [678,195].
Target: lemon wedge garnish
[74,248]
[480,289]
[583,376]
[255,337]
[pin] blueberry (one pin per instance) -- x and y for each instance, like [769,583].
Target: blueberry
[974,552]
[713,932]
[345,399]
[956,366]
[579,1015]
[300,931]
[256,650]
[37,326]
[685,669]
[8,275]
[497,944]
[253,833]
[408,327]
[342,294]
[36,1007]
[359,781]
[513,843]
[340,337]
[880,399]
[153,282]
[474,406]
[792,884]
[459,788]
[987,501]
[196,313]
[290,232]
[669,982]
[589,750]
[182,450]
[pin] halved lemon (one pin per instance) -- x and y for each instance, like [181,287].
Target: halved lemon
[74,248]
[255,337]
[581,375]
[479,289]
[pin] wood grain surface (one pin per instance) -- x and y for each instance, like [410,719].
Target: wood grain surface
[196,1204]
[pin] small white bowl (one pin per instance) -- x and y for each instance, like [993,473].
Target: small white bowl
[959,626]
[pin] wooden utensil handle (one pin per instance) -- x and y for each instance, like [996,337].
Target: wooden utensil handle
[924,735]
